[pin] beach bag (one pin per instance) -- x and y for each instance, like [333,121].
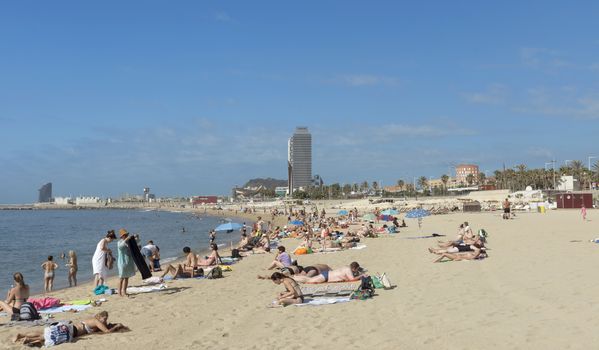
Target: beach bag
[58,333]
[301,251]
[235,254]
[366,289]
[28,312]
[216,272]
[109,260]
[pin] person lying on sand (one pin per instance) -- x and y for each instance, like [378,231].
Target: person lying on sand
[213,259]
[479,253]
[352,272]
[459,247]
[70,331]
[314,270]
[293,292]
[187,270]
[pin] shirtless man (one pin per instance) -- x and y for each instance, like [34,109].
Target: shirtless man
[187,270]
[506,209]
[314,270]
[344,274]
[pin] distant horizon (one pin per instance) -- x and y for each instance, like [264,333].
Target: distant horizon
[197,97]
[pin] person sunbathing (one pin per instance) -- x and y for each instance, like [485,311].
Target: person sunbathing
[213,259]
[293,292]
[461,247]
[97,324]
[17,295]
[476,254]
[352,272]
[314,270]
[189,269]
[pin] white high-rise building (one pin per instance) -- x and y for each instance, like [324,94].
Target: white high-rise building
[300,158]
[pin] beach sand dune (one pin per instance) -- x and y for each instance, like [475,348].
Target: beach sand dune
[537,290]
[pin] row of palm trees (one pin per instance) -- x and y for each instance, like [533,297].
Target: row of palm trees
[514,179]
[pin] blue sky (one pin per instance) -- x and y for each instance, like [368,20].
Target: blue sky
[193,97]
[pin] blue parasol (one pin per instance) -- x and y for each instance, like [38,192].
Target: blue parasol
[417,213]
[342,212]
[390,212]
[296,223]
[229,226]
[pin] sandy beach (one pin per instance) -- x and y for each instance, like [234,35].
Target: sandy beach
[535,291]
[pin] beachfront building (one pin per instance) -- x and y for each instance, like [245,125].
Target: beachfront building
[463,170]
[299,159]
[45,193]
[82,200]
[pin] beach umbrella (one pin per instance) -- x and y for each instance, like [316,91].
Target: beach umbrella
[369,217]
[417,213]
[229,226]
[297,223]
[390,212]
[342,212]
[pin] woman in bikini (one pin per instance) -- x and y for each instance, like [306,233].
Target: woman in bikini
[97,324]
[72,265]
[213,259]
[292,294]
[17,295]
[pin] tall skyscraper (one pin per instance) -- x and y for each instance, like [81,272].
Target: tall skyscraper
[300,158]
[45,193]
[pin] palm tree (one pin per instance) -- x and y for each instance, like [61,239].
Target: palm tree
[364,186]
[578,171]
[596,170]
[470,179]
[401,183]
[481,177]
[445,180]
[422,182]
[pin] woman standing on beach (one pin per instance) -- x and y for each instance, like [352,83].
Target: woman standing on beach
[125,262]
[99,258]
[72,265]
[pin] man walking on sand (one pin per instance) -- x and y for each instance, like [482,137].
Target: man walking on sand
[506,209]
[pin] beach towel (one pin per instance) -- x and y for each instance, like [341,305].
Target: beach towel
[153,280]
[324,301]
[420,237]
[330,289]
[65,308]
[146,289]
[44,303]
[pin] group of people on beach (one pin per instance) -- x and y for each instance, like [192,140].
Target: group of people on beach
[56,333]
[103,259]
[466,246]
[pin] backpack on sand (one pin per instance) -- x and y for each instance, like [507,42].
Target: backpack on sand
[216,272]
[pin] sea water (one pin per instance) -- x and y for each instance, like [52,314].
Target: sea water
[27,237]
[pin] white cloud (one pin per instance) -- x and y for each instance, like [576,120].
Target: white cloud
[357,80]
[540,152]
[424,130]
[494,94]
[222,16]
[564,102]
[543,58]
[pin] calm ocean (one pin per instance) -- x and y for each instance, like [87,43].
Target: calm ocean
[27,237]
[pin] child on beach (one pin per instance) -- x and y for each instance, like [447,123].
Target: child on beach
[583,212]
[72,265]
[49,266]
